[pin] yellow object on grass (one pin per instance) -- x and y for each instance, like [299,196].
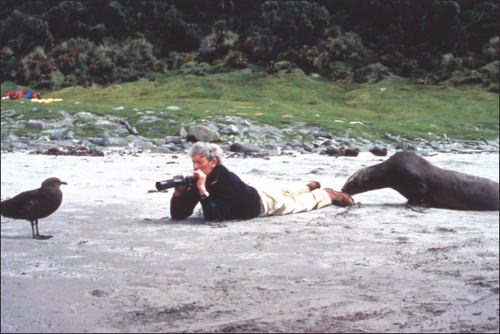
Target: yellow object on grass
[51,100]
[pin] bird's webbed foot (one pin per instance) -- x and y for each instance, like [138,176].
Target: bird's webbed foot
[42,237]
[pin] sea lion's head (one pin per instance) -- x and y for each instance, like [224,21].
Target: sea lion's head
[368,178]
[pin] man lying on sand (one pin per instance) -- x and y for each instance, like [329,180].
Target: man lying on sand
[224,196]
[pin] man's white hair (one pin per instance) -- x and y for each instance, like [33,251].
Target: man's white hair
[208,151]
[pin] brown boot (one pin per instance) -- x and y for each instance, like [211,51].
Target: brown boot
[339,198]
[313,185]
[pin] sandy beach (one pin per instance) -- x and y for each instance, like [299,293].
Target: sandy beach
[117,263]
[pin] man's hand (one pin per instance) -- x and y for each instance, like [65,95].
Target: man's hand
[179,189]
[200,179]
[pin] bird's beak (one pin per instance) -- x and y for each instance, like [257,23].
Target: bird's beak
[62,182]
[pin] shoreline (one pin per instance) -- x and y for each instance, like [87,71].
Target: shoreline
[234,134]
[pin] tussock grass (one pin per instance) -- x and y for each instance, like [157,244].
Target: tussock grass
[395,105]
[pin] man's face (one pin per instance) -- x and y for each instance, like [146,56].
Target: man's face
[201,163]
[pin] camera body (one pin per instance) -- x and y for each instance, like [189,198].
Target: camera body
[176,181]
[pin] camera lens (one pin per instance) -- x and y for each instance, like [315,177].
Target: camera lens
[160,185]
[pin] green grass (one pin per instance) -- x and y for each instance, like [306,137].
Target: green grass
[395,105]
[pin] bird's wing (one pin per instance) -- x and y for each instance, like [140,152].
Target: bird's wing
[21,205]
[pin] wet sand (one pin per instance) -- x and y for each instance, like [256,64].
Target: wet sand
[117,263]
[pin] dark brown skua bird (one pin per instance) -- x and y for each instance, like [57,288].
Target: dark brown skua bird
[35,204]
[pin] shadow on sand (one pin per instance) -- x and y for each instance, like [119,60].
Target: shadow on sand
[170,221]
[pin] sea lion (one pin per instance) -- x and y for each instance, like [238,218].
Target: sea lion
[425,184]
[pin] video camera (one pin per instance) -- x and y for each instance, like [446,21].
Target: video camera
[176,181]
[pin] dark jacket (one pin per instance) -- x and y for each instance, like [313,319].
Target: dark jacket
[230,198]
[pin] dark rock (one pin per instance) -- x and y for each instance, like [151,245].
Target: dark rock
[351,152]
[378,151]
[245,148]
[77,150]
[334,151]
[191,138]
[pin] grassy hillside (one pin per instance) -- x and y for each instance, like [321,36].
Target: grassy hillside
[395,105]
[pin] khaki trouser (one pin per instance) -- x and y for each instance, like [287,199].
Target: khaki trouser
[301,199]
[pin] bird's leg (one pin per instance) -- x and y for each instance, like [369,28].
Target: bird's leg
[33,228]
[38,236]
[36,224]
